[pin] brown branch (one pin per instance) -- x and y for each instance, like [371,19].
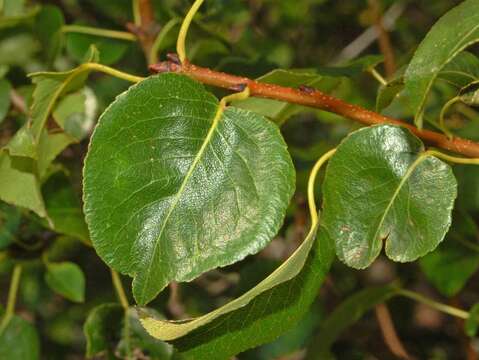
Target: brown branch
[148,29]
[389,332]
[313,98]
[384,40]
[18,102]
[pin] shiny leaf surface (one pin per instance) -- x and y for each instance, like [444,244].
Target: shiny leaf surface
[172,191]
[381,186]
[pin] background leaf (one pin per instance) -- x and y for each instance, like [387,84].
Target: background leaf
[5,89]
[345,315]
[451,265]
[66,279]
[19,340]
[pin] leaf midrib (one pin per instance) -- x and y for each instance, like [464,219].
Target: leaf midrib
[191,169]
[403,181]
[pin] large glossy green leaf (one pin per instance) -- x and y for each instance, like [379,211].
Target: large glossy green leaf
[346,314]
[19,340]
[66,279]
[454,32]
[266,317]
[381,186]
[169,193]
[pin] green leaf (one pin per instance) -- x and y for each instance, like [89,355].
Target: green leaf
[134,339]
[5,89]
[48,26]
[470,94]
[106,333]
[463,69]
[66,279]
[101,328]
[266,317]
[64,208]
[10,219]
[19,340]
[13,13]
[454,32]
[49,86]
[49,147]
[18,49]
[387,93]
[346,314]
[472,323]
[451,265]
[111,50]
[381,186]
[169,193]
[19,185]
[76,113]
[352,68]
[166,330]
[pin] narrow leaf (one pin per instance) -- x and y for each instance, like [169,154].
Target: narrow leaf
[265,317]
[381,186]
[166,330]
[454,32]
[172,191]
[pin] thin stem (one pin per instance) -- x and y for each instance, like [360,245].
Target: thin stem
[311,181]
[113,34]
[384,40]
[453,159]
[378,76]
[180,45]
[12,297]
[450,310]
[442,122]
[119,289]
[389,333]
[136,12]
[316,99]
[110,71]
[159,39]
